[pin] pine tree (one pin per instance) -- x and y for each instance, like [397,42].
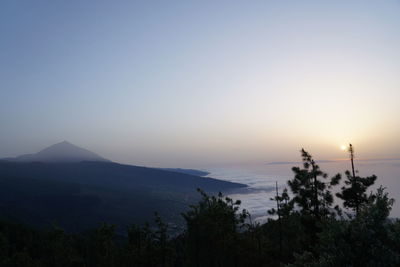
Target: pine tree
[354,193]
[284,205]
[311,193]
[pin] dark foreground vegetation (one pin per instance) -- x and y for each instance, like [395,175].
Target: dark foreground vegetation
[306,229]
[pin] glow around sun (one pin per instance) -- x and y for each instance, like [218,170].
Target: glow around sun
[343,147]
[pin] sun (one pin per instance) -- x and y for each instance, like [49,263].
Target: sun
[343,147]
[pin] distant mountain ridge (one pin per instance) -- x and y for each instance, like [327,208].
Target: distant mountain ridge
[114,175]
[187,171]
[60,152]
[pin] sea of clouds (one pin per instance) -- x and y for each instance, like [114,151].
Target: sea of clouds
[261,179]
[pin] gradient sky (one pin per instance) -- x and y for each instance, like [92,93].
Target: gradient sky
[192,83]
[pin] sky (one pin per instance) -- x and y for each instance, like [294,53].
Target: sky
[195,83]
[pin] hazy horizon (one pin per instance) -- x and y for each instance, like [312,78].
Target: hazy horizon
[186,84]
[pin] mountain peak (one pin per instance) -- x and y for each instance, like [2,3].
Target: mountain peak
[61,152]
[65,143]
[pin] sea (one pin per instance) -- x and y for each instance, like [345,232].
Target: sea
[261,179]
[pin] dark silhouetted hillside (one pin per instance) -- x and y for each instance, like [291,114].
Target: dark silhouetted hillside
[78,195]
[76,188]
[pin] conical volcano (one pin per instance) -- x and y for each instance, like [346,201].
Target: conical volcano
[60,152]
